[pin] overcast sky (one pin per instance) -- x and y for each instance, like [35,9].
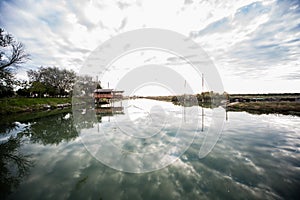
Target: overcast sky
[255,45]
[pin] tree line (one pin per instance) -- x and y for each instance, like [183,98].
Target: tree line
[48,82]
[43,82]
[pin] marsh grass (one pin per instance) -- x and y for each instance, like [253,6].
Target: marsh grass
[282,107]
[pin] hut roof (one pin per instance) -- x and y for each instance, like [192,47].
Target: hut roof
[103,90]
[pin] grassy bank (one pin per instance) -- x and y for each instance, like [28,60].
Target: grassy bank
[160,98]
[252,103]
[292,108]
[17,105]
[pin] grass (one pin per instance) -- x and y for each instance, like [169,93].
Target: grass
[16,105]
[282,107]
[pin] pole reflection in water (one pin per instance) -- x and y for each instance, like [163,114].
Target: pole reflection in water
[202,128]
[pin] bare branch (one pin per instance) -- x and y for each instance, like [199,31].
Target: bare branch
[18,55]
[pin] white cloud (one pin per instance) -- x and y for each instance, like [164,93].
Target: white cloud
[256,48]
[247,40]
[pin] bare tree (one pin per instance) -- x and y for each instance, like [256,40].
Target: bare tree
[12,53]
[16,56]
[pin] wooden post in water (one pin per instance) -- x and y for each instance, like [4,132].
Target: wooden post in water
[202,129]
[226,114]
[184,100]
[202,87]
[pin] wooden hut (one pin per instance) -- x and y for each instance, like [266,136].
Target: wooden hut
[104,96]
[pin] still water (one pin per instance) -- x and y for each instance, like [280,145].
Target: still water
[256,157]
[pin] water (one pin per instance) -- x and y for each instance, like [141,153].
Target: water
[256,157]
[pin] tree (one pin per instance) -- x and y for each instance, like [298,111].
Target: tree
[38,88]
[24,88]
[85,86]
[12,54]
[17,55]
[56,82]
[98,86]
[6,83]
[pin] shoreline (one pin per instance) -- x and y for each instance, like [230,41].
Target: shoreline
[31,105]
[282,107]
[288,104]
[285,103]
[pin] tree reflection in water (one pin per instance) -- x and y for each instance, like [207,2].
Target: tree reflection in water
[13,165]
[52,129]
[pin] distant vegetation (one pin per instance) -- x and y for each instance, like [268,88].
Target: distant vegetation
[282,103]
[206,98]
[264,97]
[264,107]
[48,82]
[288,103]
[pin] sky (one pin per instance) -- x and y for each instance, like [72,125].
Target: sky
[254,45]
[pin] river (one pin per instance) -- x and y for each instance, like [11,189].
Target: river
[52,156]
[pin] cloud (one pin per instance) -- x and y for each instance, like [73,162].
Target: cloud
[56,33]
[188,1]
[122,5]
[273,40]
[255,40]
[123,24]
[292,76]
[246,38]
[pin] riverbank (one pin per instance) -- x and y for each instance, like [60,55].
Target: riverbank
[19,105]
[263,103]
[288,104]
[284,107]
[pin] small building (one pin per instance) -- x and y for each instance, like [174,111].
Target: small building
[104,96]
